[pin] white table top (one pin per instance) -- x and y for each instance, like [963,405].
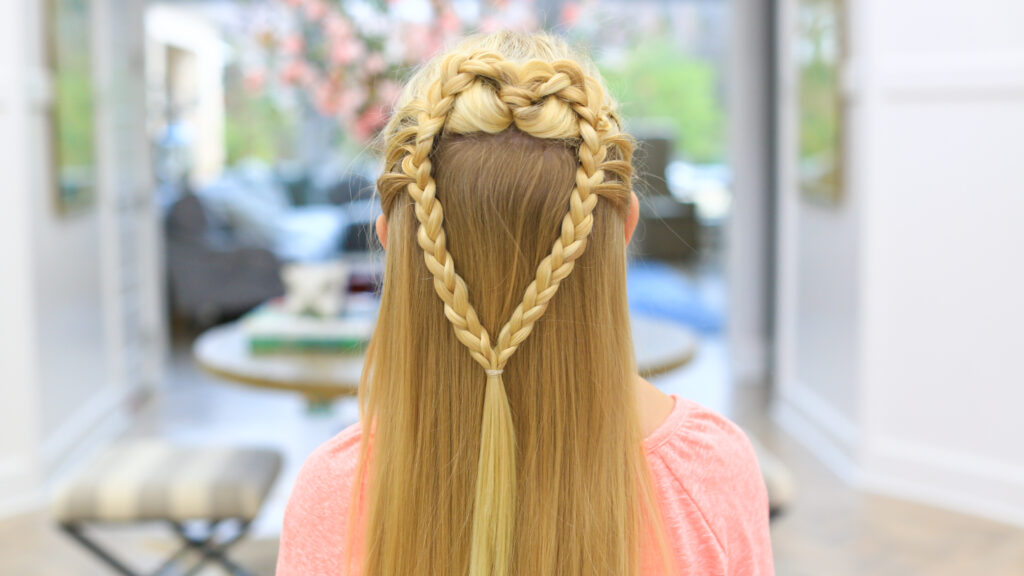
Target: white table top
[661,346]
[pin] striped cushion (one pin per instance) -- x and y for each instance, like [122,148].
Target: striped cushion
[152,480]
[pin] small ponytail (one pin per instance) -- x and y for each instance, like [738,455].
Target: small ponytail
[494,506]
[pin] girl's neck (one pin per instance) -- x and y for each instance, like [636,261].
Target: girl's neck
[653,406]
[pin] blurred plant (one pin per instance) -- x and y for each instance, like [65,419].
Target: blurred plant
[819,52]
[257,128]
[656,81]
[647,52]
[347,59]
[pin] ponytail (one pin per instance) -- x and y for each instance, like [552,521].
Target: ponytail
[494,506]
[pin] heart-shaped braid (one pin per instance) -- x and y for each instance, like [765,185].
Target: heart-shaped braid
[545,100]
[578,221]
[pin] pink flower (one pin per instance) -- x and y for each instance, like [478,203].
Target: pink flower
[325,100]
[313,77]
[388,92]
[528,23]
[420,43]
[296,72]
[316,9]
[353,99]
[375,64]
[571,13]
[336,26]
[293,44]
[347,51]
[449,22]
[367,124]
[254,81]
[489,24]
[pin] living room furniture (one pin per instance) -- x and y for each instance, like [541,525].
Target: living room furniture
[209,271]
[224,352]
[226,242]
[668,228]
[199,492]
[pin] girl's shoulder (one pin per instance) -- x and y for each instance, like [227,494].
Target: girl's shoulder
[330,470]
[697,432]
[340,454]
[701,450]
[316,516]
[708,481]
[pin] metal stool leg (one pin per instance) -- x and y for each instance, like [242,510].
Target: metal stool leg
[209,549]
[75,532]
[212,550]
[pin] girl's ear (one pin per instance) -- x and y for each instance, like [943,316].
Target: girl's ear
[632,217]
[382,231]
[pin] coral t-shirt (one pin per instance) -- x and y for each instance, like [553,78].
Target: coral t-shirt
[712,498]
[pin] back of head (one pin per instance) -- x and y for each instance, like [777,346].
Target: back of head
[500,378]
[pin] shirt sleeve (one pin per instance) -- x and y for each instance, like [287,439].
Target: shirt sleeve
[745,532]
[710,480]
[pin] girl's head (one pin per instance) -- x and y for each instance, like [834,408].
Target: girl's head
[500,376]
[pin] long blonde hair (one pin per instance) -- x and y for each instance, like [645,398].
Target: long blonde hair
[505,437]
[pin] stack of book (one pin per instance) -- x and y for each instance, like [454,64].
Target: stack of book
[270,329]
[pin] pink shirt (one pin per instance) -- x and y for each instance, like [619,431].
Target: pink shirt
[711,494]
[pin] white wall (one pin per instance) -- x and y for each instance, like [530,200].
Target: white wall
[62,390]
[18,366]
[907,377]
[943,238]
[69,316]
[828,295]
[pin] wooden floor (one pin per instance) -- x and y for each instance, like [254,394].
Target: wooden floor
[830,530]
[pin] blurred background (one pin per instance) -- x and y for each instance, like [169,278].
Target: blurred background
[828,254]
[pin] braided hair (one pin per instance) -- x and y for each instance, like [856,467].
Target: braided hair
[527,88]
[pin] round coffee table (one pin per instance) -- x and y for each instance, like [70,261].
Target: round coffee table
[661,346]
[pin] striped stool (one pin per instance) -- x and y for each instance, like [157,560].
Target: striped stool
[152,481]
